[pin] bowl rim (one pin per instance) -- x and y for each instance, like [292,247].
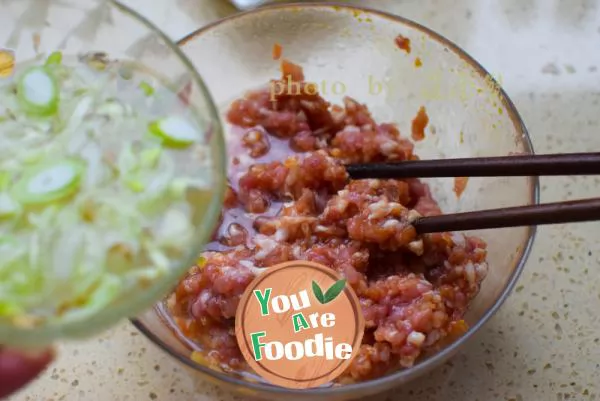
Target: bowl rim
[525,251]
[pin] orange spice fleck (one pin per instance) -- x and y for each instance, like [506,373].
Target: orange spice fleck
[460,184]
[419,123]
[277,51]
[294,71]
[403,43]
[418,62]
[458,328]
[37,39]
[455,331]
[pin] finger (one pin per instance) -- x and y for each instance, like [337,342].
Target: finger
[18,368]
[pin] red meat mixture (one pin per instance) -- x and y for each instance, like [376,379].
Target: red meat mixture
[289,198]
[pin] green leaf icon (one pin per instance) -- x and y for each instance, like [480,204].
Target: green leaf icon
[331,293]
[318,292]
[335,290]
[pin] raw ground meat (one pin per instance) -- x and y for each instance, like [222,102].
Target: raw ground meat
[289,198]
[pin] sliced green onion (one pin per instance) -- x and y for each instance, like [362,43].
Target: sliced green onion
[147,88]
[174,132]
[38,92]
[8,207]
[112,109]
[80,91]
[135,185]
[9,309]
[54,58]
[105,292]
[149,158]
[5,178]
[49,182]
[33,156]
[127,161]
[178,187]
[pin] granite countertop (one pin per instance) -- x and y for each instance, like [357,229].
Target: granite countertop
[544,344]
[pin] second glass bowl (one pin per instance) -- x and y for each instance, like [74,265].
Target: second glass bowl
[36,28]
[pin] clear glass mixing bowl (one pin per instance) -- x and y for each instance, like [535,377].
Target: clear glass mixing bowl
[33,28]
[472,117]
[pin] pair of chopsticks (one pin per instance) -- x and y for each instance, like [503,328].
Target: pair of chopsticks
[506,166]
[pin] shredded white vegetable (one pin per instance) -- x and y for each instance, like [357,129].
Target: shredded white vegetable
[94,185]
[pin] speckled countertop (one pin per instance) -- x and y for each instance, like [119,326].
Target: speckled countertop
[544,344]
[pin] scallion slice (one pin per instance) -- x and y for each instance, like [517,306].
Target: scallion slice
[175,132]
[54,58]
[48,183]
[38,92]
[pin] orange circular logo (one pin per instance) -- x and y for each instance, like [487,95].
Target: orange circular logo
[299,325]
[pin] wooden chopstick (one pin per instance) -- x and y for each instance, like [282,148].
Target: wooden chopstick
[534,215]
[504,166]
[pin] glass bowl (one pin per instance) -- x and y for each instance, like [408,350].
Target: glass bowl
[470,116]
[35,28]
